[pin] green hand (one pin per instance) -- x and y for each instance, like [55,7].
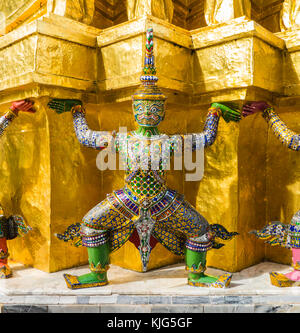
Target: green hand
[63,105]
[230,112]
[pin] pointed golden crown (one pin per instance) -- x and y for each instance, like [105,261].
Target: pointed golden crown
[149,89]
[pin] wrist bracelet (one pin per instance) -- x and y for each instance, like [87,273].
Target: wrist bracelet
[266,111]
[215,111]
[11,114]
[78,108]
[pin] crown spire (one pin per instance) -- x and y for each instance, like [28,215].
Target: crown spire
[149,67]
[148,89]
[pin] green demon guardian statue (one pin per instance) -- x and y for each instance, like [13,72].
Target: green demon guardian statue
[145,209]
[277,233]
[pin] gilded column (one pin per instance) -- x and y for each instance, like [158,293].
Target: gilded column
[218,11]
[162,9]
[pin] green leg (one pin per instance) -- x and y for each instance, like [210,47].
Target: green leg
[98,257]
[196,264]
[98,260]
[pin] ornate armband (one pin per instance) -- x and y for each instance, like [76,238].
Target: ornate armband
[11,114]
[78,108]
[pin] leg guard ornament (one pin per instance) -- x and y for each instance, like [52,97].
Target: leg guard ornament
[196,265]
[288,236]
[71,235]
[97,244]
[195,257]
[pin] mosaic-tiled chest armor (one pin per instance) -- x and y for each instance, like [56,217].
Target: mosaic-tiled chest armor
[146,210]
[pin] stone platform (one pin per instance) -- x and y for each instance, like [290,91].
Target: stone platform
[158,291]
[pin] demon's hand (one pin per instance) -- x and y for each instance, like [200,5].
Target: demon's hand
[63,105]
[230,112]
[254,107]
[23,106]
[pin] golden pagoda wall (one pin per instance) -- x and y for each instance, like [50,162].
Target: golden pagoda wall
[43,151]
[25,183]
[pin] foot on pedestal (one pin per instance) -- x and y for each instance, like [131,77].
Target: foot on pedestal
[86,281]
[294,275]
[202,280]
[5,272]
[291,279]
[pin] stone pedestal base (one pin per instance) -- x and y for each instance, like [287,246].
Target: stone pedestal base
[164,290]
